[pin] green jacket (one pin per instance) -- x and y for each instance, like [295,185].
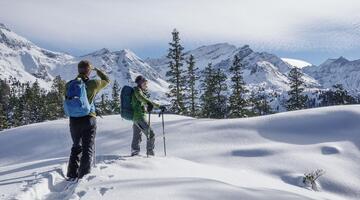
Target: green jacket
[93,86]
[138,103]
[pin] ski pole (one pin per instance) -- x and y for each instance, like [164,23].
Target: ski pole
[147,135]
[163,126]
[94,156]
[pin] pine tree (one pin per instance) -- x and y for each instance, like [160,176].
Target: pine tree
[192,95]
[297,99]
[4,102]
[34,104]
[336,96]
[208,97]
[55,99]
[213,100]
[237,100]
[259,101]
[104,106]
[115,103]
[17,102]
[175,74]
[220,88]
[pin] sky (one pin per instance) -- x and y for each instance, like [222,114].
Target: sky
[312,30]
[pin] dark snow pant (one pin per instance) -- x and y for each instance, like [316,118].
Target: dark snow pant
[138,127]
[83,131]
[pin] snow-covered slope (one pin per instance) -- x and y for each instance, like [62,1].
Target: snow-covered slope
[296,62]
[337,71]
[25,61]
[255,158]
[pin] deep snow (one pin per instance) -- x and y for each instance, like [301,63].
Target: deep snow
[254,158]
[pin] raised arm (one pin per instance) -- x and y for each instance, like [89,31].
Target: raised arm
[141,97]
[100,84]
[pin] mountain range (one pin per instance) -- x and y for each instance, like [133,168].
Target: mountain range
[26,61]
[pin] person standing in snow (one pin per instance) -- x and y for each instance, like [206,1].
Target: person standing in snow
[138,103]
[83,129]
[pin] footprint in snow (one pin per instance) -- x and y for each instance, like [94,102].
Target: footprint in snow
[89,178]
[103,190]
[103,167]
[81,193]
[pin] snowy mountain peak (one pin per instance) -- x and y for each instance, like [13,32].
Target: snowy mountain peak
[212,51]
[340,60]
[3,26]
[244,51]
[337,61]
[128,54]
[99,52]
[12,40]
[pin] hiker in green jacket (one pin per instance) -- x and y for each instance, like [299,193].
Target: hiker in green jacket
[83,129]
[138,102]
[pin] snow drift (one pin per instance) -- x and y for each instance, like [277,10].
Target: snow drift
[254,158]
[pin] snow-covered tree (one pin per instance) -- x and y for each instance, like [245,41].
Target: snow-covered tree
[115,103]
[259,102]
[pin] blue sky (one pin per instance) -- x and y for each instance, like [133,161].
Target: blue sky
[308,29]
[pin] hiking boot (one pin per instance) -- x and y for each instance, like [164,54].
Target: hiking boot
[150,153]
[135,153]
[71,179]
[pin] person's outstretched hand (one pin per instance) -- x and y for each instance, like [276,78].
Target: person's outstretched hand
[162,108]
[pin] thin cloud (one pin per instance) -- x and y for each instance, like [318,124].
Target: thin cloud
[323,25]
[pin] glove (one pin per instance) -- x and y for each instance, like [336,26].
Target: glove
[150,107]
[162,108]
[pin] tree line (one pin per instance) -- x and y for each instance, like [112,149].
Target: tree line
[216,100]
[204,94]
[26,103]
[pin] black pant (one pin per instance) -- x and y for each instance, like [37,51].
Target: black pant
[83,131]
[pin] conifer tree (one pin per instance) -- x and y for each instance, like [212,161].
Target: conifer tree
[4,104]
[192,94]
[208,97]
[297,100]
[175,74]
[115,103]
[259,102]
[220,89]
[55,99]
[237,101]
[104,106]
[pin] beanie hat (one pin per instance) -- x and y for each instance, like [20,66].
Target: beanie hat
[140,80]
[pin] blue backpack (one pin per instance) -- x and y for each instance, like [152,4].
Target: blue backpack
[76,103]
[126,110]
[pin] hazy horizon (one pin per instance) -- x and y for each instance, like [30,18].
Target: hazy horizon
[306,30]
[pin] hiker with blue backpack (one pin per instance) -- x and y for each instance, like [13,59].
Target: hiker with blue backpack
[133,103]
[79,106]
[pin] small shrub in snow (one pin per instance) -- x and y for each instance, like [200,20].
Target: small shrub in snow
[309,179]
